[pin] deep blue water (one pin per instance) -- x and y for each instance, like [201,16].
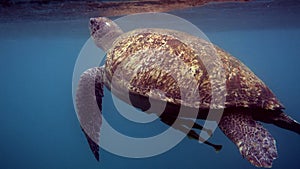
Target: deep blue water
[39,127]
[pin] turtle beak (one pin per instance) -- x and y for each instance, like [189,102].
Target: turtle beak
[92,21]
[93,25]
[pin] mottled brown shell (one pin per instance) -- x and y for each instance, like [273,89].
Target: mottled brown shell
[182,69]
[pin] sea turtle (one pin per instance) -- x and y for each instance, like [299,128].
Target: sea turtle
[247,98]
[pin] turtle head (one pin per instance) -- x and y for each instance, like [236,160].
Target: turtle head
[104,32]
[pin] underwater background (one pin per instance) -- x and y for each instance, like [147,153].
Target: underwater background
[39,128]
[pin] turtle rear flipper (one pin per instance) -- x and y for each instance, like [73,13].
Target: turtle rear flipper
[286,122]
[255,143]
[279,118]
[89,106]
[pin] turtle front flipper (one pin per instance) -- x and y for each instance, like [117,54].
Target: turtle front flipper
[89,106]
[254,142]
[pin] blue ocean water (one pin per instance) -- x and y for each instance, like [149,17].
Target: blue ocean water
[39,127]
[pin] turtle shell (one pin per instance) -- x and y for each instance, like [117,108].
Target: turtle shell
[182,69]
